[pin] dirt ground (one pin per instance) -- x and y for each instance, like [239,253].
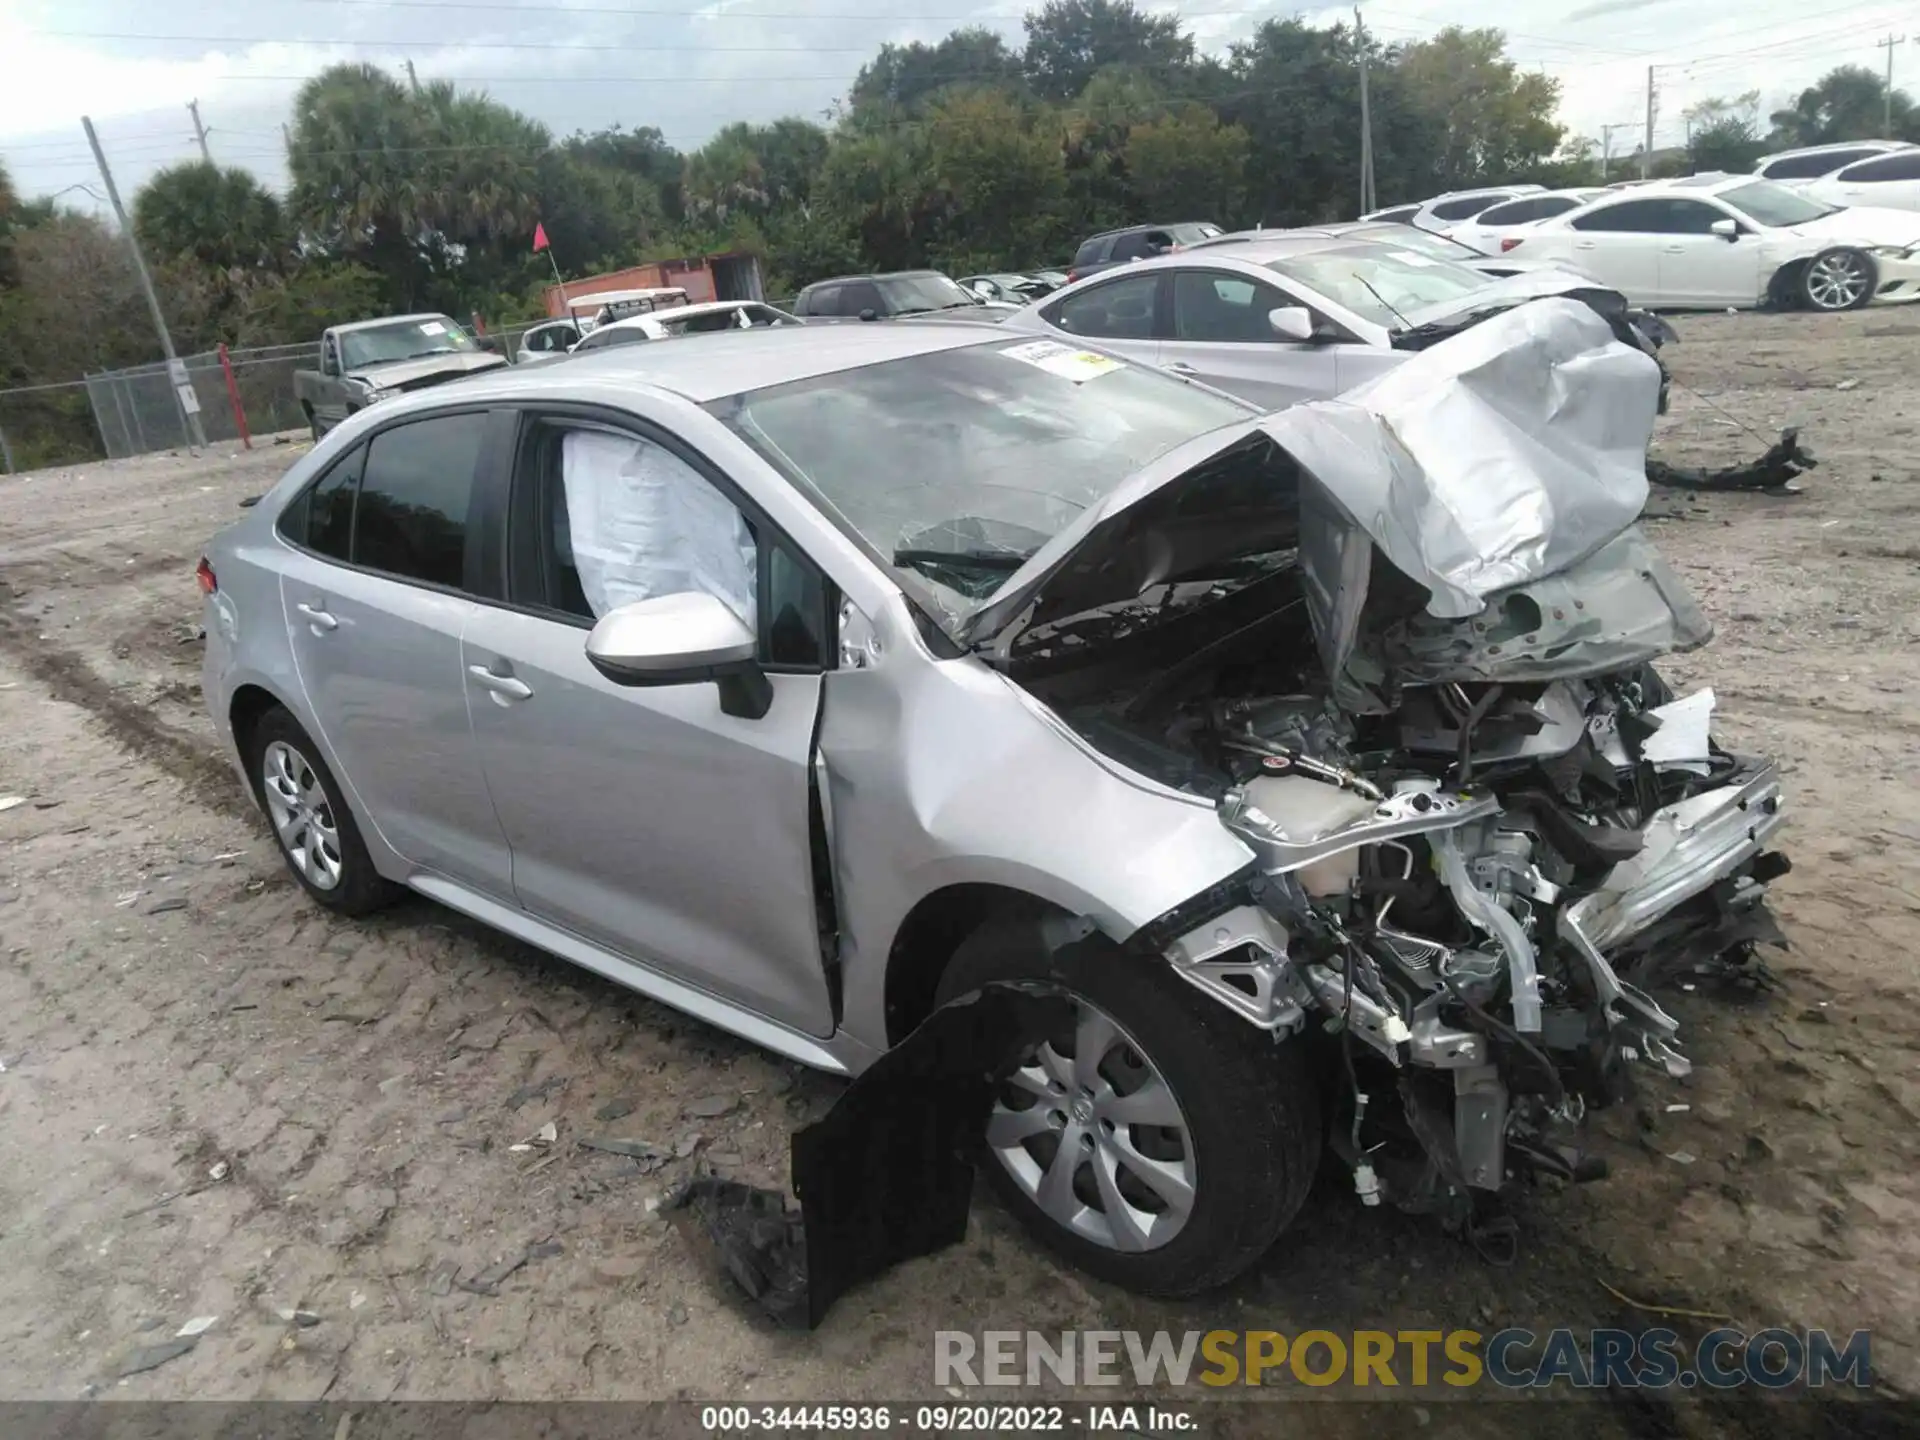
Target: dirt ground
[172,1009]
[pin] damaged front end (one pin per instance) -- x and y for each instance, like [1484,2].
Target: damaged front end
[1404,641]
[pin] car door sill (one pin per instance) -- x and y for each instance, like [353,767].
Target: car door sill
[770,1034]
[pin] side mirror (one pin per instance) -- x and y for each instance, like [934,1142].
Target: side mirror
[329,363]
[869,314]
[683,639]
[1291,322]
[1728,230]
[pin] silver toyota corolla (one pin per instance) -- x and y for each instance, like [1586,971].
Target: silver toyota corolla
[808,680]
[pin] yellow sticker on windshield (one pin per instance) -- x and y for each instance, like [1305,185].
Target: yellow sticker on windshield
[1063,360]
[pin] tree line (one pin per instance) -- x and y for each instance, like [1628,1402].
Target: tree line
[967,154]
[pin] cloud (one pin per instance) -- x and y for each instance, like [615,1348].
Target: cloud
[1608,7]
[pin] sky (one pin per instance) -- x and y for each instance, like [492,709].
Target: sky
[688,68]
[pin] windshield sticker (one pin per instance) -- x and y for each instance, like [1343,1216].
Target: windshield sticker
[432,327]
[1411,258]
[1063,360]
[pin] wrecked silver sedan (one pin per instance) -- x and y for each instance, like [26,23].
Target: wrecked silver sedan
[1309,770]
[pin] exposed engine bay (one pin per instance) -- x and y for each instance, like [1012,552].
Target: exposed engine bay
[1467,895]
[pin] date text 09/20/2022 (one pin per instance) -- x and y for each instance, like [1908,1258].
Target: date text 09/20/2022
[956,1419]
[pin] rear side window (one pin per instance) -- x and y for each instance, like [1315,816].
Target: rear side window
[417,485]
[861,295]
[820,300]
[1117,310]
[1808,167]
[1463,209]
[322,518]
[1093,251]
[1140,244]
[1903,166]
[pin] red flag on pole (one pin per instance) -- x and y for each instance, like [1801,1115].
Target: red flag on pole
[539,238]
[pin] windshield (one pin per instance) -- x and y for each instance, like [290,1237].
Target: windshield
[1384,283]
[957,465]
[403,340]
[1771,204]
[1420,242]
[907,294]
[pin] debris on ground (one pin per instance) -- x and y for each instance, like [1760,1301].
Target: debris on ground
[1774,472]
[152,1357]
[172,902]
[637,1149]
[487,1282]
[10,802]
[885,1176]
[539,1090]
[712,1107]
[198,1325]
[614,1110]
[299,1319]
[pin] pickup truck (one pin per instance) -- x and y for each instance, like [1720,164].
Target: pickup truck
[372,359]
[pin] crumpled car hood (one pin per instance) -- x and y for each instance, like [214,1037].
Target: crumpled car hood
[429,369]
[1508,453]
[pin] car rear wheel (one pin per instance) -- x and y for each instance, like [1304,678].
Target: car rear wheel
[316,831]
[1838,279]
[1148,1135]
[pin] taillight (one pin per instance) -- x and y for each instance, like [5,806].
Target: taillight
[1509,244]
[203,572]
[1072,275]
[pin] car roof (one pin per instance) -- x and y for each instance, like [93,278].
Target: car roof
[679,313]
[877,275]
[1260,247]
[1833,145]
[730,361]
[623,297]
[392,320]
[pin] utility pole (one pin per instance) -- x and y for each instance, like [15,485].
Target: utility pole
[412,79]
[1367,197]
[1886,98]
[199,131]
[1646,150]
[176,372]
[1606,143]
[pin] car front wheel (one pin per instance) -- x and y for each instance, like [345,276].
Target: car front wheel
[1838,279]
[315,830]
[1145,1132]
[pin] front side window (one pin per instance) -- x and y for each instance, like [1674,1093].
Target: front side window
[411,517]
[1116,310]
[955,465]
[1211,305]
[1640,217]
[615,518]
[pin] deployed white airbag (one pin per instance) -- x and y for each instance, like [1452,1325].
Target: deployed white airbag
[644,523]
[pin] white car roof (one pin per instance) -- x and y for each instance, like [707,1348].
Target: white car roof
[1831,146]
[624,297]
[662,319]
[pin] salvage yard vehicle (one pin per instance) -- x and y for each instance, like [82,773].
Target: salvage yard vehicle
[371,360]
[883,297]
[1308,769]
[1282,316]
[710,318]
[1733,241]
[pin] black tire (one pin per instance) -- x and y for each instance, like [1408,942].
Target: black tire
[1823,286]
[1250,1105]
[360,889]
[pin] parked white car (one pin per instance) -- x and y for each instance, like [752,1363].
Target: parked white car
[685,320]
[1485,230]
[1734,241]
[1885,182]
[1443,212]
[1292,316]
[1811,162]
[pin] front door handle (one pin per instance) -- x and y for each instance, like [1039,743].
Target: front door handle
[504,688]
[318,618]
[1180,367]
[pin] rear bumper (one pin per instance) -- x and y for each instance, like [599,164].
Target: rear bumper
[1690,846]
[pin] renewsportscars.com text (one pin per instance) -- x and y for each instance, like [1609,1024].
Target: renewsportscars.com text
[1722,1359]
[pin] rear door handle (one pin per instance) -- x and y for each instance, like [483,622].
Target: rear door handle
[505,688]
[1180,367]
[318,618]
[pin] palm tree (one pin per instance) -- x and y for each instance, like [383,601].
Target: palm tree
[223,218]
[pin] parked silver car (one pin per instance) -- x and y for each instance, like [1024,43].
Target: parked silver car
[1285,316]
[811,679]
